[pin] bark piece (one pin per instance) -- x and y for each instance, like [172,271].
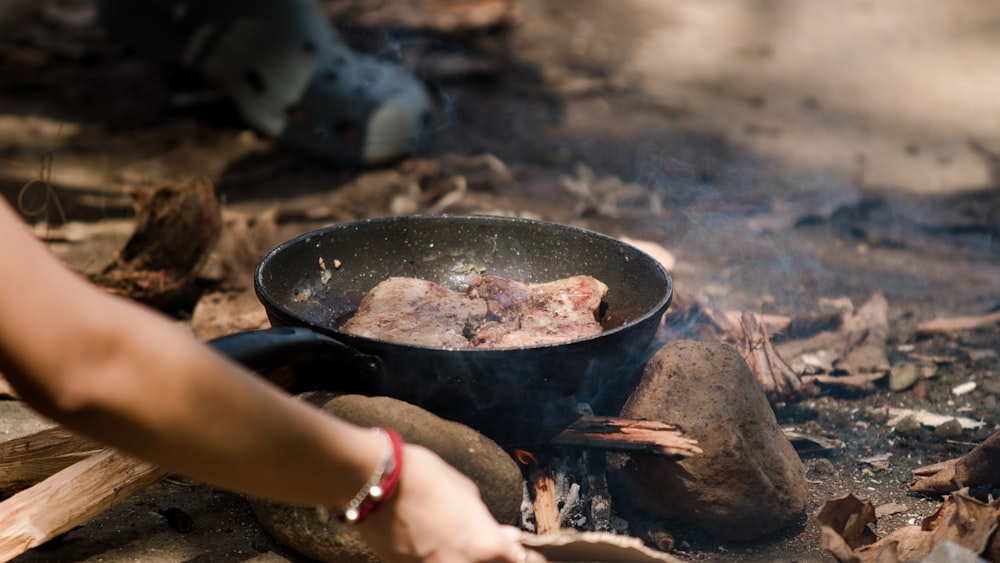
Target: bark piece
[176,227]
[930,419]
[622,434]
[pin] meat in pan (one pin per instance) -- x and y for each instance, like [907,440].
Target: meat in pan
[494,312]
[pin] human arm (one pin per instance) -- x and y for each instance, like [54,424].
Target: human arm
[131,378]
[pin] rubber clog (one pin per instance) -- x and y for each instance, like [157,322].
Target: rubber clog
[287,71]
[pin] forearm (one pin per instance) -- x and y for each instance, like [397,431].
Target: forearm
[131,378]
[178,404]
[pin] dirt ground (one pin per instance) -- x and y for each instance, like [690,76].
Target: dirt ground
[790,155]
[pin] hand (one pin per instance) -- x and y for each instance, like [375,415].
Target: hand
[437,515]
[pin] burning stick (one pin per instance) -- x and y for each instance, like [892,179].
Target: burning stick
[542,487]
[545,503]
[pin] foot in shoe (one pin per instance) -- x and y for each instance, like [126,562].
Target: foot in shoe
[286,70]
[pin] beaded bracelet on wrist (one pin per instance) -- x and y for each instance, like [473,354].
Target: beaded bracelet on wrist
[383,482]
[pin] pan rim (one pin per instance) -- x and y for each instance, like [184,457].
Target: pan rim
[269,301]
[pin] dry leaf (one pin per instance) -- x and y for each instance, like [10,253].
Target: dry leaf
[980,466]
[857,346]
[847,524]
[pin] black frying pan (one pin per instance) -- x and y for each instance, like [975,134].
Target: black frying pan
[451,250]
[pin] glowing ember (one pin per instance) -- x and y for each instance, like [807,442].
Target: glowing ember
[525,457]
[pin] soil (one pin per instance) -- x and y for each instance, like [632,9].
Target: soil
[801,154]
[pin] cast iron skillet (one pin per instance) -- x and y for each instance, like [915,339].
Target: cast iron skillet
[317,280]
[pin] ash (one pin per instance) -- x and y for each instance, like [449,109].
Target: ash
[580,492]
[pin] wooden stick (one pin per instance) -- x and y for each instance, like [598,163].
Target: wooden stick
[779,380]
[69,498]
[626,434]
[545,503]
[29,459]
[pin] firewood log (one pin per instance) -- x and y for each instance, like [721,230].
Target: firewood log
[69,498]
[29,459]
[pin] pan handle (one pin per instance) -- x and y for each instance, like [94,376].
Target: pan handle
[262,350]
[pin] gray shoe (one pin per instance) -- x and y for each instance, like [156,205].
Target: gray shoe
[287,71]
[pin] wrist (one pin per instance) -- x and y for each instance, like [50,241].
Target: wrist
[381,485]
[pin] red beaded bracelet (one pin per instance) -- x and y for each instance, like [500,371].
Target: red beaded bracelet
[383,482]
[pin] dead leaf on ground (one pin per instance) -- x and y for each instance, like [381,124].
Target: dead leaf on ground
[243,241]
[862,382]
[417,185]
[221,313]
[847,525]
[811,443]
[856,347]
[867,330]
[980,466]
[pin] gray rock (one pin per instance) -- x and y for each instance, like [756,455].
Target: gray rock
[950,430]
[498,476]
[823,466]
[903,375]
[749,483]
[908,426]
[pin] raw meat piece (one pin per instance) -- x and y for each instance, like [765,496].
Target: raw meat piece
[533,314]
[493,312]
[419,312]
